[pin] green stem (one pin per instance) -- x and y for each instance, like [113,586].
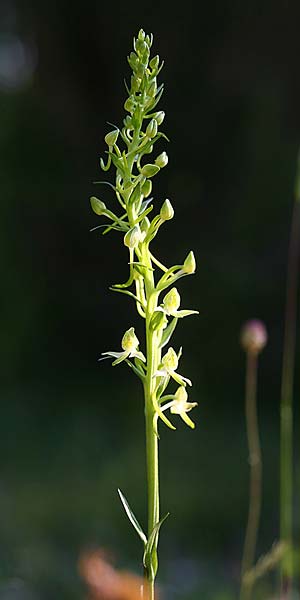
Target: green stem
[153,359]
[286,406]
[255,475]
[153,488]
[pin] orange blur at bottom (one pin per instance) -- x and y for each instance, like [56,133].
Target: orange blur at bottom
[106,583]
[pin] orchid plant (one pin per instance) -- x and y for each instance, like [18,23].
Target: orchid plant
[150,284]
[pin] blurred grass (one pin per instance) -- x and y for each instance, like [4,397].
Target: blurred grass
[60,469]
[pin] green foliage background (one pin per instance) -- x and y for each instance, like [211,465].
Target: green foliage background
[71,430]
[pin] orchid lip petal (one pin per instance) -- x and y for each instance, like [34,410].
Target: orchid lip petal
[180,379]
[187,420]
[161,373]
[123,356]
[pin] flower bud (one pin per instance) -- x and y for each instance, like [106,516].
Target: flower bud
[189,265]
[158,321]
[140,46]
[151,130]
[150,170]
[162,160]
[146,188]
[166,211]
[140,69]
[154,62]
[254,336]
[144,225]
[129,105]
[133,237]
[141,35]
[135,83]
[159,117]
[133,60]
[128,122]
[152,89]
[111,137]
[98,206]
[135,196]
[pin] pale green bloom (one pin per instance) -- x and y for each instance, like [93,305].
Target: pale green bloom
[168,368]
[130,345]
[133,237]
[180,406]
[171,304]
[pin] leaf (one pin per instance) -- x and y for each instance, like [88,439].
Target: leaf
[152,543]
[105,183]
[133,520]
[168,332]
[136,369]
[128,293]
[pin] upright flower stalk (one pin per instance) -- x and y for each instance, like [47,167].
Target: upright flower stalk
[150,283]
[253,340]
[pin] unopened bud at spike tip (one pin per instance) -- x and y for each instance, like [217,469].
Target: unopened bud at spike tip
[254,336]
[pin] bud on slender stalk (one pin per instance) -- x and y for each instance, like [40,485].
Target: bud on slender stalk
[159,117]
[98,206]
[166,211]
[162,160]
[189,265]
[111,137]
[150,170]
[254,336]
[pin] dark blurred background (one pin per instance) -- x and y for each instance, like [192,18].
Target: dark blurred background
[71,429]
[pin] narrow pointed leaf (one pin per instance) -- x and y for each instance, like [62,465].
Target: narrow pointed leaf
[168,332]
[152,541]
[133,520]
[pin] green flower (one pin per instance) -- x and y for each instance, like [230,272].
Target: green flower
[180,406]
[168,368]
[130,345]
[171,304]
